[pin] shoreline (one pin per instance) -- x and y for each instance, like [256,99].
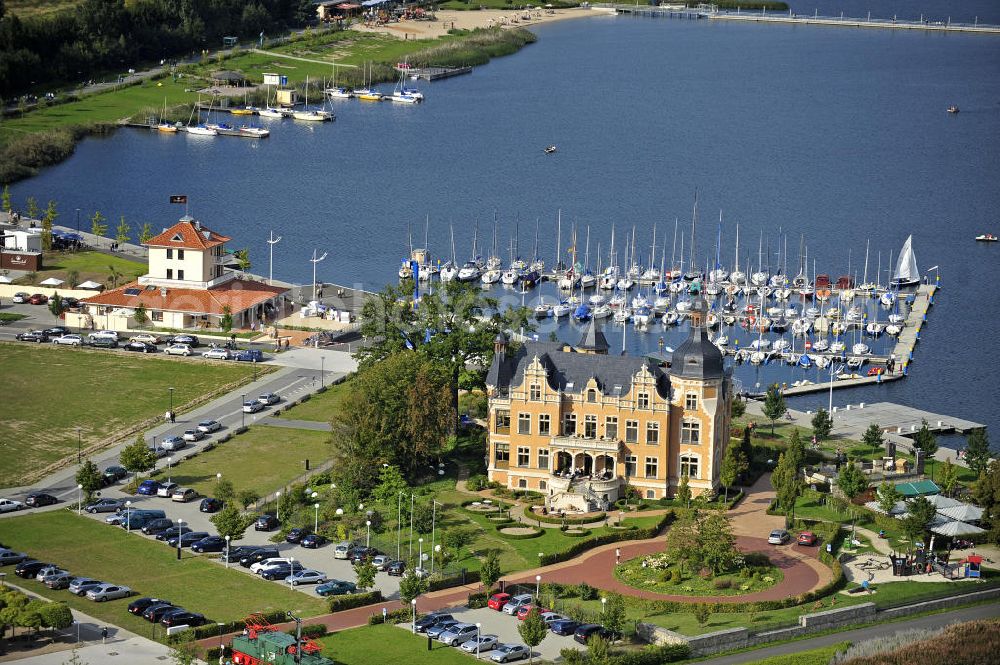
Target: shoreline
[447,19]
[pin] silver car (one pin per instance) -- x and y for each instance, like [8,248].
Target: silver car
[104,506]
[167,489]
[515,603]
[71,340]
[508,652]
[49,572]
[10,505]
[481,643]
[8,557]
[174,443]
[209,426]
[178,350]
[458,634]
[81,585]
[108,592]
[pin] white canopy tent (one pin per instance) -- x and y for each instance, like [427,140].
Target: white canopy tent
[956,528]
[51,281]
[4,279]
[89,285]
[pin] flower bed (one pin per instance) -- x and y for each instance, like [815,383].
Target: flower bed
[552,518]
[518,532]
[660,576]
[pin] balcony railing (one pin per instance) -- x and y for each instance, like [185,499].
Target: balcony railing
[584,443]
[501,430]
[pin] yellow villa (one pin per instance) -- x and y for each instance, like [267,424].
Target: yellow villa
[578,424]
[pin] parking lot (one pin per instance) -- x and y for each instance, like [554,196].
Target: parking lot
[505,628]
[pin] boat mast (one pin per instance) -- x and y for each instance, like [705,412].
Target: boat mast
[864,280]
[737,247]
[652,250]
[694,220]
[493,254]
[586,252]
[453,259]
[673,251]
[555,265]
[534,251]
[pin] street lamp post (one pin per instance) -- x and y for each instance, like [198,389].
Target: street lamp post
[413,604]
[180,536]
[79,499]
[227,552]
[420,552]
[434,505]
[272,241]
[243,414]
[368,537]
[435,553]
[79,445]
[314,261]
[479,629]
[277,505]
[168,468]
[604,606]
[316,516]
[77,220]
[399,521]
[538,587]
[128,514]
[171,391]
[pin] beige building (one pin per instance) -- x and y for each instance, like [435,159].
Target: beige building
[578,424]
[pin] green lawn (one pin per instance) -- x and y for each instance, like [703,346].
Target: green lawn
[87,547]
[49,391]
[319,408]
[810,506]
[381,644]
[635,575]
[262,459]
[94,266]
[820,656]
[31,8]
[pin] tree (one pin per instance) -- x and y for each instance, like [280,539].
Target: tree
[796,450]
[55,304]
[614,615]
[137,457]
[925,441]
[423,516]
[738,408]
[411,586]
[122,232]
[786,483]
[184,654]
[489,573]
[684,491]
[365,572]
[533,630]
[682,543]
[986,492]
[231,522]
[146,234]
[851,481]
[888,496]
[746,445]
[242,257]
[874,438]
[140,315]
[6,204]
[47,220]
[774,404]
[72,278]
[114,275]
[56,615]
[90,477]
[716,543]
[456,538]
[733,466]
[920,513]
[391,484]
[949,477]
[226,322]
[702,612]
[977,451]
[822,424]
[247,498]
[97,225]
[224,490]
[32,208]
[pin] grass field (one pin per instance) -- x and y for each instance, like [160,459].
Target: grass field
[29,8]
[820,656]
[87,547]
[90,265]
[262,459]
[320,408]
[377,645]
[49,391]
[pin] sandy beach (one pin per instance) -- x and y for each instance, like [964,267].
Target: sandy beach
[469,20]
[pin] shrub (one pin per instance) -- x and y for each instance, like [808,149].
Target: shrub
[311,632]
[339,603]
[667,575]
[555,519]
[213,629]
[401,615]
[721,584]
[477,600]
[586,592]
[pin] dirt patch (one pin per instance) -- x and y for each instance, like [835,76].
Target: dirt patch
[518,530]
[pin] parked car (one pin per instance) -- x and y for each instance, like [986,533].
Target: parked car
[178,350]
[265,522]
[209,544]
[515,603]
[588,630]
[140,605]
[396,568]
[60,581]
[81,585]
[8,557]
[104,506]
[481,644]
[524,610]
[237,553]
[68,340]
[252,406]
[440,627]
[108,592]
[307,576]
[457,634]
[268,562]
[209,426]
[336,588]
[260,554]
[551,617]
[140,347]
[778,537]
[565,627]
[159,451]
[210,505]
[182,617]
[118,519]
[173,532]
[183,495]
[158,526]
[110,334]
[216,354]
[28,568]
[312,541]
[497,601]
[187,539]
[102,342]
[57,331]
[148,338]
[166,489]
[173,444]
[267,399]
[20,298]
[360,553]
[381,561]
[193,435]
[431,620]
[189,340]
[281,571]
[249,355]
[10,505]
[148,488]
[807,538]
[154,613]
[38,499]
[297,534]
[341,549]
[505,653]
[113,474]
[32,336]
[38,299]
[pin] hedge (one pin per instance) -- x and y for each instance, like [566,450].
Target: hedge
[400,615]
[477,600]
[349,602]
[213,629]
[631,534]
[555,519]
[579,534]
[471,577]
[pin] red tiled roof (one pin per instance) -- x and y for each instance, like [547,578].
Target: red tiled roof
[188,234]
[239,294]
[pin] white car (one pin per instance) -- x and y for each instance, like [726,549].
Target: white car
[173,443]
[549,617]
[306,577]
[20,297]
[183,495]
[113,334]
[480,644]
[108,592]
[267,399]
[252,407]
[145,337]
[209,426]
[260,565]
[70,340]
[10,505]
[340,551]
[178,350]
[458,634]
[167,489]
[193,435]
[47,572]
[216,354]
[515,603]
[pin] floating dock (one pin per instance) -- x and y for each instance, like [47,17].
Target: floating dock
[434,73]
[183,130]
[900,423]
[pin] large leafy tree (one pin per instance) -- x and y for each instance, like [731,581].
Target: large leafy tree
[533,630]
[786,483]
[614,615]
[231,522]
[977,451]
[986,492]
[716,543]
[411,586]
[682,539]
[137,457]
[873,437]
[920,513]
[851,481]
[774,404]
[925,441]
[733,466]
[90,477]
[888,496]
[684,491]
[822,424]
[949,478]
[489,573]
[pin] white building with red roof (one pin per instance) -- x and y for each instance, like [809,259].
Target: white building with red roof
[187,286]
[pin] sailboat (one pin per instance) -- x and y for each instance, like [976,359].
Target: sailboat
[404,95]
[311,114]
[200,129]
[335,91]
[367,93]
[165,126]
[906,267]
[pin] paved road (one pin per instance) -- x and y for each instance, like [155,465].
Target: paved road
[930,621]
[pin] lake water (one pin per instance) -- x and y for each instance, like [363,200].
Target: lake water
[838,134]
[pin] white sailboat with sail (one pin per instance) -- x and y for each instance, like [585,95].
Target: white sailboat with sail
[906,267]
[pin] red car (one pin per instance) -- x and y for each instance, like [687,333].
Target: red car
[497,601]
[38,299]
[525,610]
[807,538]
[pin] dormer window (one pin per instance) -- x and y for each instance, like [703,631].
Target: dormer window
[177,238]
[591,395]
[642,401]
